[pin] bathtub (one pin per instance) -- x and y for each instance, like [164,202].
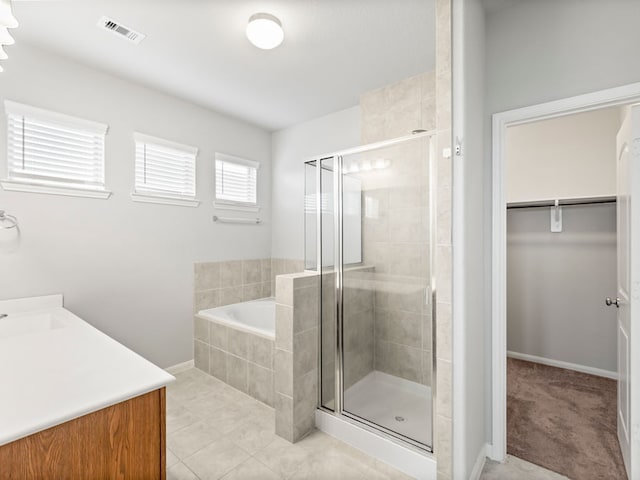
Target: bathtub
[236,344]
[257,316]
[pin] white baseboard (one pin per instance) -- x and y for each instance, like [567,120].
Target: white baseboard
[476,472]
[181,367]
[493,454]
[569,366]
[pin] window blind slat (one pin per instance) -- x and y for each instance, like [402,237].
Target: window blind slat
[55,127]
[62,168]
[236,182]
[42,142]
[164,170]
[30,148]
[177,166]
[34,158]
[52,153]
[39,131]
[70,177]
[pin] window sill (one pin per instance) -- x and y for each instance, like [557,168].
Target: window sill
[164,200]
[236,207]
[11,186]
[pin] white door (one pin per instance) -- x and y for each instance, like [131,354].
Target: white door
[628,295]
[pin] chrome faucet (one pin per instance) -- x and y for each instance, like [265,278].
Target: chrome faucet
[3,315]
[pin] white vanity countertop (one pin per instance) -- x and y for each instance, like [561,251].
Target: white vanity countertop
[55,367]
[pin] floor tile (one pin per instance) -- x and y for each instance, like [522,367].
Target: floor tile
[219,432]
[216,460]
[251,470]
[171,458]
[282,457]
[178,418]
[253,436]
[180,472]
[205,405]
[189,440]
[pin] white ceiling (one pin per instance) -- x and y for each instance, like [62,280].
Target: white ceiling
[197,50]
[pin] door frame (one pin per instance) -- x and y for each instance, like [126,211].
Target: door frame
[612,97]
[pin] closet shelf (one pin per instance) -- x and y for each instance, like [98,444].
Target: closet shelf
[563,202]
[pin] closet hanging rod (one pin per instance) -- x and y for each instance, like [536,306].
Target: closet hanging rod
[562,202]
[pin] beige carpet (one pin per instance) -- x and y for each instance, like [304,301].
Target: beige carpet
[563,420]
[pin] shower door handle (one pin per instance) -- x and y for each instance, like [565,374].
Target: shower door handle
[610,302]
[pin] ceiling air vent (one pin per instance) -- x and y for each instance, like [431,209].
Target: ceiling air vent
[119,29]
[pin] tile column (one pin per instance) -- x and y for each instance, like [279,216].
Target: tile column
[296,354]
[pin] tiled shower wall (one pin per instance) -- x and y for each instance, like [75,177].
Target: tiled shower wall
[388,113]
[443,446]
[396,233]
[358,329]
[222,283]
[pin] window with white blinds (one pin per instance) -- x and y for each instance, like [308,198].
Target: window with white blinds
[164,168]
[236,180]
[54,150]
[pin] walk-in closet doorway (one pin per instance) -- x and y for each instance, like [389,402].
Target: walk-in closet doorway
[563,348]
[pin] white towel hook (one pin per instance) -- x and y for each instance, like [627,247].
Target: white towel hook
[556,217]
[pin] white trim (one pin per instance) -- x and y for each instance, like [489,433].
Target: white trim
[16,108]
[560,364]
[28,304]
[476,472]
[164,199]
[419,465]
[459,397]
[239,207]
[238,160]
[582,103]
[144,138]
[12,186]
[370,146]
[180,367]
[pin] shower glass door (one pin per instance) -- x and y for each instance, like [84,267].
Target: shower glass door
[375,228]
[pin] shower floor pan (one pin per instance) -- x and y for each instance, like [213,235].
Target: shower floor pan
[394,403]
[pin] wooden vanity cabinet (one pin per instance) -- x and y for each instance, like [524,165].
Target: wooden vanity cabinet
[123,441]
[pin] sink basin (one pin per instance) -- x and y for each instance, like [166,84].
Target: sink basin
[17,324]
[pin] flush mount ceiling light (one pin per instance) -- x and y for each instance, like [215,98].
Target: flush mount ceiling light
[265,31]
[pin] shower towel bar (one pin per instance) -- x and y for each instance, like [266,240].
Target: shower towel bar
[6,218]
[218,219]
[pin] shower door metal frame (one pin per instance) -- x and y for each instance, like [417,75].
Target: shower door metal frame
[338,211]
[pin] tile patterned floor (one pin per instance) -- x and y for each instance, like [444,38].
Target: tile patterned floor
[514,469]
[216,432]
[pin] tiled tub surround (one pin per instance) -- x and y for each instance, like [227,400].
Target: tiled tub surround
[223,283]
[296,354]
[238,357]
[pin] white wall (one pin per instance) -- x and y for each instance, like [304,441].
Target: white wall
[470,372]
[557,283]
[542,51]
[290,148]
[566,157]
[125,267]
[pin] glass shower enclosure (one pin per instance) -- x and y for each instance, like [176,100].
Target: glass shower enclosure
[370,232]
